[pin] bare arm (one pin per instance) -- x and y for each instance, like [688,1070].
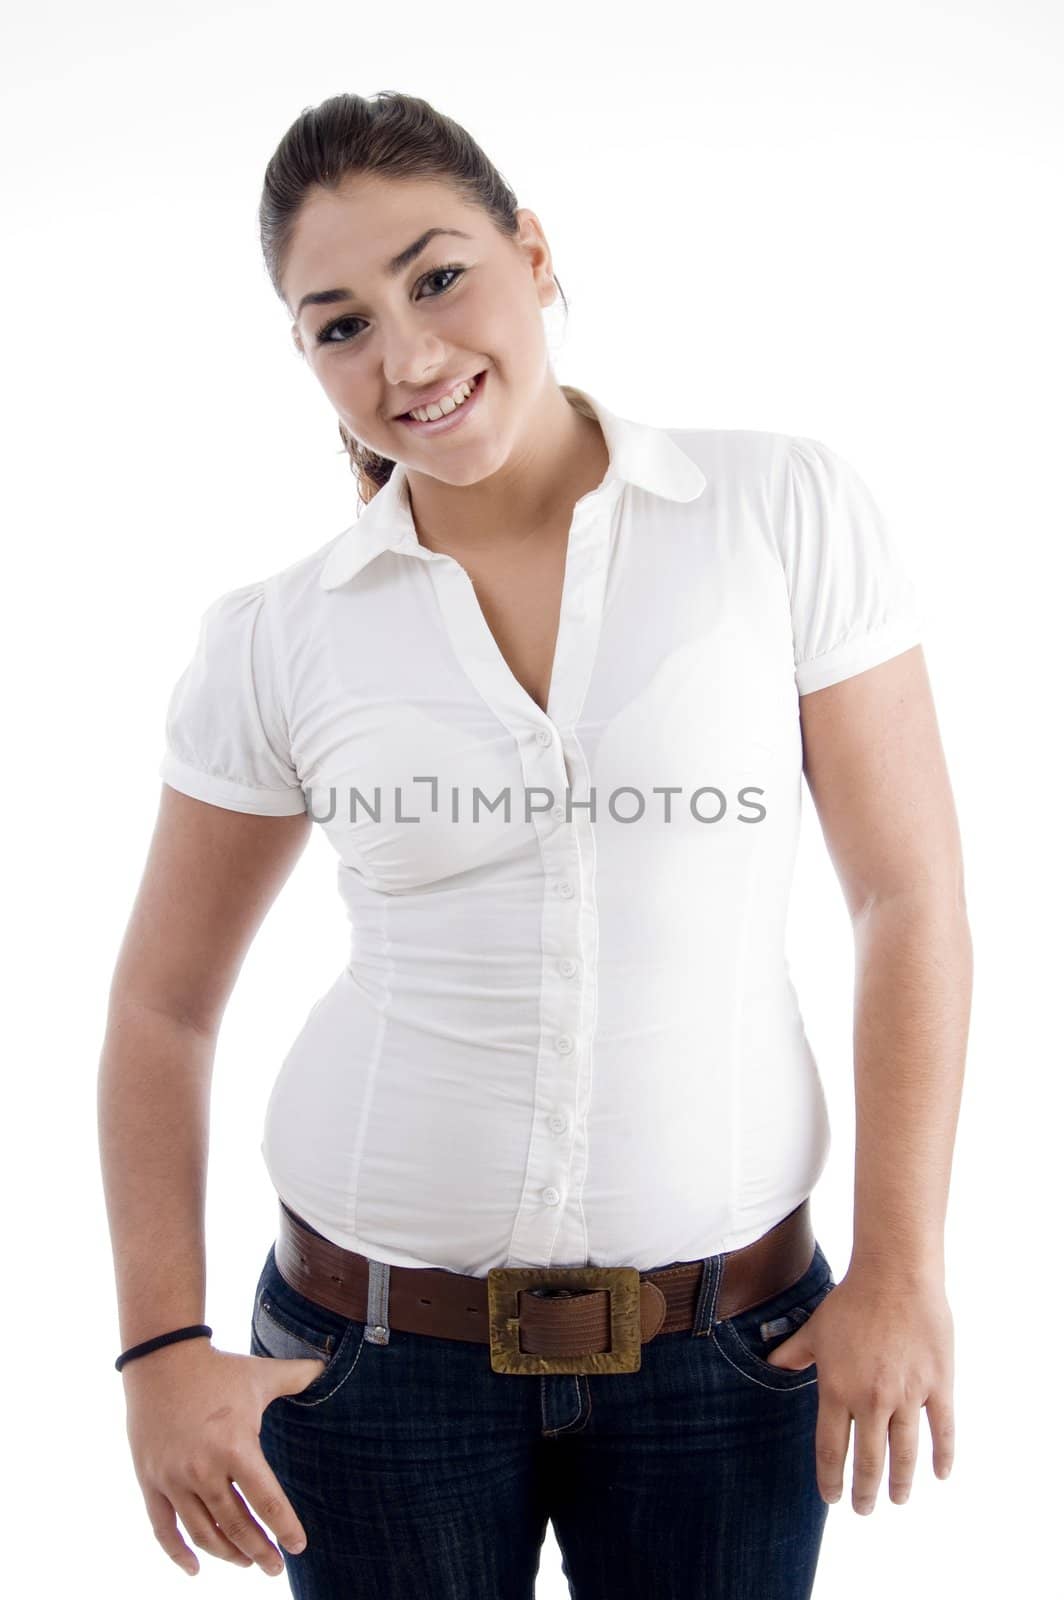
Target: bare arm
[209,880]
[877,772]
[883,1343]
[193,1413]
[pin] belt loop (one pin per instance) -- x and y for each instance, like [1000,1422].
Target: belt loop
[706,1300]
[378,1330]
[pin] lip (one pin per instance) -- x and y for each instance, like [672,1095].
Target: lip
[454,418]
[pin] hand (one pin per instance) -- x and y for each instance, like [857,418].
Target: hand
[193,1415]
[883,1347]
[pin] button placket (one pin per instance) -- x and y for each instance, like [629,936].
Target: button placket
[561,1016]
[557,1154]
[579,952]
[549,751]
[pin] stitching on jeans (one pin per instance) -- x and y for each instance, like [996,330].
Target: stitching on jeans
[752,1378]
[328,1349]
[716,1278]
[798,1315]
[330,1358]
[563,1427]
[698,1316]
[297,1400]
[587,1391]
[550,1432]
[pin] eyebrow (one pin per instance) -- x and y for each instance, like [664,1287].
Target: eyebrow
[328,297]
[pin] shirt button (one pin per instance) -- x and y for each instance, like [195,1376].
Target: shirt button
[557,1124]
[564,1043]
[566,966]
[551,1197]
[558,812]
[545,736]
[565,889]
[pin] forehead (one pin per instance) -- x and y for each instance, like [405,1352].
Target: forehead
[346,235]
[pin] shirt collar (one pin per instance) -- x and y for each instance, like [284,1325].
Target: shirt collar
[639,454]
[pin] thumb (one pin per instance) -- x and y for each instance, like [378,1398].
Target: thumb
[294,1374]
[793,1353]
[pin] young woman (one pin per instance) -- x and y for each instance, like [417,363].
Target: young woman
[544,1148]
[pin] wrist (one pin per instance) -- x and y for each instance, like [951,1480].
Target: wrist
[196,1333]
[907,1268]
[171,1357]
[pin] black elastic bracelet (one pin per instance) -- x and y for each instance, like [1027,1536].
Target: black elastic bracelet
[164,1338]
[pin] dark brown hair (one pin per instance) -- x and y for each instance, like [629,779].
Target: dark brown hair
[393,135]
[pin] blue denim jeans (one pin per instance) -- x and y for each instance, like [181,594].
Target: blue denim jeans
[416,1469]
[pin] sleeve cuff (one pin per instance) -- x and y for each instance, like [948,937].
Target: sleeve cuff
[232,796]
[858,654]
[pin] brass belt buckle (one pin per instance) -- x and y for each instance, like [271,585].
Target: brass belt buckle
[504,1323]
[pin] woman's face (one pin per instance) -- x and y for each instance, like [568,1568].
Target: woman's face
[376,338]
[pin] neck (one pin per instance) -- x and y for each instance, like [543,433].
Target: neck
[561,456]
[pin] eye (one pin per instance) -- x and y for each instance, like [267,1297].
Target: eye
[322,337]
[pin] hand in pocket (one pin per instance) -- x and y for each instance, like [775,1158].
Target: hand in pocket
[193,1415]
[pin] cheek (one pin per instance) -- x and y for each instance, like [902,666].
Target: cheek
[506,327]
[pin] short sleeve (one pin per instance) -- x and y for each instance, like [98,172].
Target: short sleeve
[853,604]
[226,735]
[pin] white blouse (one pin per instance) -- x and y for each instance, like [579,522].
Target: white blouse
[566,1033]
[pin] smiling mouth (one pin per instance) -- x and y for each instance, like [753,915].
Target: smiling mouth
[473,382]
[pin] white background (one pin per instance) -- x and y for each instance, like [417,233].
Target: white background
[838,220]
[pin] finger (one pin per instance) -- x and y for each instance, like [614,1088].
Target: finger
[164,1526]
[869,1452]
[239,1527]
[203,1530]
[904,1433]
[263,1492]
[943,1430]
[832,1444]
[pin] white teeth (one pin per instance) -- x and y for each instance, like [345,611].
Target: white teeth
[441,408]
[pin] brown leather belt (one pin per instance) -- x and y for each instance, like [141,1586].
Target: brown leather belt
[547,1319]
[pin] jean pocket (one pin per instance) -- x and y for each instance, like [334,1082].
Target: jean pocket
[747,1337]
[289,1325]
